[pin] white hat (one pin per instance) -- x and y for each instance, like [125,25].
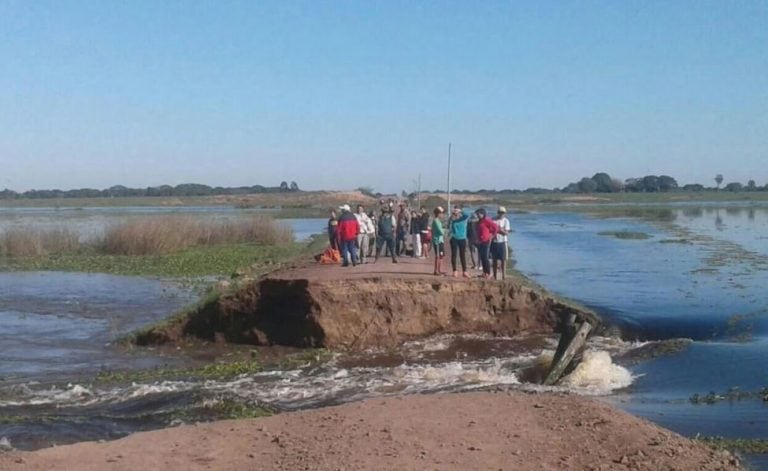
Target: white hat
[502,209]
[345,207]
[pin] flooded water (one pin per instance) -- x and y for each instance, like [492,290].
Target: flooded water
[59,324]
[701,275]
[698,275]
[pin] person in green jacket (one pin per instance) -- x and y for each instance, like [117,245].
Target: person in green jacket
[438,240]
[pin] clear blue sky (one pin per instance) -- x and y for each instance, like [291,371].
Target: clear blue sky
[369,93]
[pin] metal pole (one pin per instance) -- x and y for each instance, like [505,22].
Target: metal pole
[418,195]
[448,209]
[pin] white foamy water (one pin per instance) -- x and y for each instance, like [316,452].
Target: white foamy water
[332,384]
[597,374]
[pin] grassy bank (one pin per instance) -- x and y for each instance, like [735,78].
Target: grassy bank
[161,246]
[221,260]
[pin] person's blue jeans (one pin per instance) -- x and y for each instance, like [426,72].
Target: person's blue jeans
[349,249]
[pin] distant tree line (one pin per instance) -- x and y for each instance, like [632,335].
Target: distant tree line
[119,191]
[601,182]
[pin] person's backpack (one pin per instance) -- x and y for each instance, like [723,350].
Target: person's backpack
[385,225]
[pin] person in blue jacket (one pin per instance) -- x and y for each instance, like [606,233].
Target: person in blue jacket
[457,228]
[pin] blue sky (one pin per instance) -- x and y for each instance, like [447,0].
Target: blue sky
[369,93]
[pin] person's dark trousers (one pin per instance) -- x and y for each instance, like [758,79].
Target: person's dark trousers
[482,252]
[349,251]
[389,242]
[400,242]
[459,247]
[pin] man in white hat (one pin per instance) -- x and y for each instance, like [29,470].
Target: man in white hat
[347,231]
[500,242]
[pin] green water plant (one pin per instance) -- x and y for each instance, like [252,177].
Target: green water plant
[753,446]
[626,235]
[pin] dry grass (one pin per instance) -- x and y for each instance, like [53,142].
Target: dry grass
[28,242]
[162,235]
[146,236]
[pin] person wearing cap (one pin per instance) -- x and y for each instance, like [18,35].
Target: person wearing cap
[486,231]
[500,241]
[403,227]
[364,234]
[438,240]
[457,228]
[386,234]
[346,233]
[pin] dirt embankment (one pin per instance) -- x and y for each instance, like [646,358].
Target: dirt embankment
[378,305]
[498,431]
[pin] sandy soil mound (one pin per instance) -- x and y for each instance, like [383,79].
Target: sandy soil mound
[488,431]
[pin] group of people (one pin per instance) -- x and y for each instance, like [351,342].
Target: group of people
[361,235]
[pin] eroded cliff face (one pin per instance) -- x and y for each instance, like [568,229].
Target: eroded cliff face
[367,312]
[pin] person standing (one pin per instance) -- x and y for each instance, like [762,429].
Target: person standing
[415,234]
[457,228]
[438,240]
[333,225]
[347,235]
[500,241]
[403,227]
[426,234]
[386,234]
[472,241]
[486,230]
[363,236]
[372,219]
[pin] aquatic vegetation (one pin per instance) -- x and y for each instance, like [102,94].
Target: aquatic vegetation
[753,446]
[226,409]
[217,371]
[675,241]
[630,235]
[733,394]
[194,262]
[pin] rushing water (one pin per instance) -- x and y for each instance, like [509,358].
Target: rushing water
[702,276]
[699,276]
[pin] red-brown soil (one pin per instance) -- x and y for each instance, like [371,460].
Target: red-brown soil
[483,431]
[372,305]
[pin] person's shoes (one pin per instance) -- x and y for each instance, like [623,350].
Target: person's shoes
[465,275]
[455,274]
[345,264]
[394,260]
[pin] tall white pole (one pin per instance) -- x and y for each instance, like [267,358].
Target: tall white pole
[418,197]
[448,209]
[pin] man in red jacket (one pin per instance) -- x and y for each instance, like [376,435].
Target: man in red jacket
[346,232]
[486,230]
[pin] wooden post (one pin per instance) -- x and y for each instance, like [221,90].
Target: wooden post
[574,346]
